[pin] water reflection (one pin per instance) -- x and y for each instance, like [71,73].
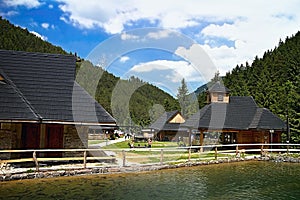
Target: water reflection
[248,180]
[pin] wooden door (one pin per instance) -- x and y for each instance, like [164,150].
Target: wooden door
[54,139]
[30,137]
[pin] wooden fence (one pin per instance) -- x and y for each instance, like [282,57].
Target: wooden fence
[159,155]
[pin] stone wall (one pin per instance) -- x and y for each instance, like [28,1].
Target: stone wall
[8,138]
[75,137]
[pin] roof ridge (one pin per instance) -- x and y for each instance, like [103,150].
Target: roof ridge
[256,118]
[35,53]
[20,94]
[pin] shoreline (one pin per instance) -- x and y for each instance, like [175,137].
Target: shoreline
[14,175]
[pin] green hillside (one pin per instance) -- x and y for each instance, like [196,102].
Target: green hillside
[121,97]
[141,102]
[273,81]
[19,39]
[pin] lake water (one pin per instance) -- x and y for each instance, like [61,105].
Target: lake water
[243,180]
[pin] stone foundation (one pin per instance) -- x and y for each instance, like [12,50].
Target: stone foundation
[8,138]
[75,137]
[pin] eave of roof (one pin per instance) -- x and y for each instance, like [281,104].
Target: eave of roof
[163,121]
[45,84]
[241,113]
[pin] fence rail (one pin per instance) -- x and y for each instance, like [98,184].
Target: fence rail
[159,155]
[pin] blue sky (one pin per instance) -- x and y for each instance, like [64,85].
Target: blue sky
[160,41]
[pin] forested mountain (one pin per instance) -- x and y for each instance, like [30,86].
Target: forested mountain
[273,81]
[104,86]
[19,39]
[140,100]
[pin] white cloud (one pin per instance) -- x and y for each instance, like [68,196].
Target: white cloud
[176,70]
[159,34]
[200,60]
[26,3]
[252,26]
[9,13]
[124,59]
[45,25]
[126,36]
[39,35]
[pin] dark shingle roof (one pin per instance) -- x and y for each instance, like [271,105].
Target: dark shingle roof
[265,119]
[46,83]
[13,106]
[241,113]
[218,87]
[162,123]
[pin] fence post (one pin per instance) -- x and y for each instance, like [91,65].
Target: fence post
[216,153]
[124,158]
[161,157]
[287,148]
[262,150]
[36,161]
[189,154]
[84,159]
[236,149]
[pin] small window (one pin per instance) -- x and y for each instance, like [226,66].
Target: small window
[2,80]
[220,97]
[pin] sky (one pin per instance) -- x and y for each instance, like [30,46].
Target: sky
[161,42]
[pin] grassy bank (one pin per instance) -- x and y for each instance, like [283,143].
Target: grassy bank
[155,144]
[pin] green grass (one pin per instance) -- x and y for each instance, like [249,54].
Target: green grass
[95,141]
[155,144]
[152,155]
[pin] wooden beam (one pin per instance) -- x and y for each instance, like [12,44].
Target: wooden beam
[36,161]
[84,159]
[201,137]
[190,137]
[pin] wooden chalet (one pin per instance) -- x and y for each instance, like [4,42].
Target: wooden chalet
[235,119]
[42,106]
[168,127]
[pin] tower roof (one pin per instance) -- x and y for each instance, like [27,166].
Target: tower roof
[218,87]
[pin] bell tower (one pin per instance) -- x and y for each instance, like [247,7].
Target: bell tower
[218,93]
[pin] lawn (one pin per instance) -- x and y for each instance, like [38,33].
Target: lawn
[155,144]
[90,142]
[171,152]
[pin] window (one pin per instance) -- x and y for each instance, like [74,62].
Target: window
[2,80]
[228,137]
[220,97]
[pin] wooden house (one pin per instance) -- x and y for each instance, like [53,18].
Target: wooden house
[236,119]
[168,127]
[42,106]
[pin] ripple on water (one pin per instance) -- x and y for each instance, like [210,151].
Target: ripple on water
[248,180]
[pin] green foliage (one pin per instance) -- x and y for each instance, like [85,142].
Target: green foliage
[19,39]
[182,97]
[273,81]
[188,102]
[131,102]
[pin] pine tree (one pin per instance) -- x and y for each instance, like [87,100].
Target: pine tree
[182,97]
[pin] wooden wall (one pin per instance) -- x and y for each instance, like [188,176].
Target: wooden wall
[13,136]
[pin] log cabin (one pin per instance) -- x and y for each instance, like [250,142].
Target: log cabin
[168,127]
[235,119]
[42,106]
